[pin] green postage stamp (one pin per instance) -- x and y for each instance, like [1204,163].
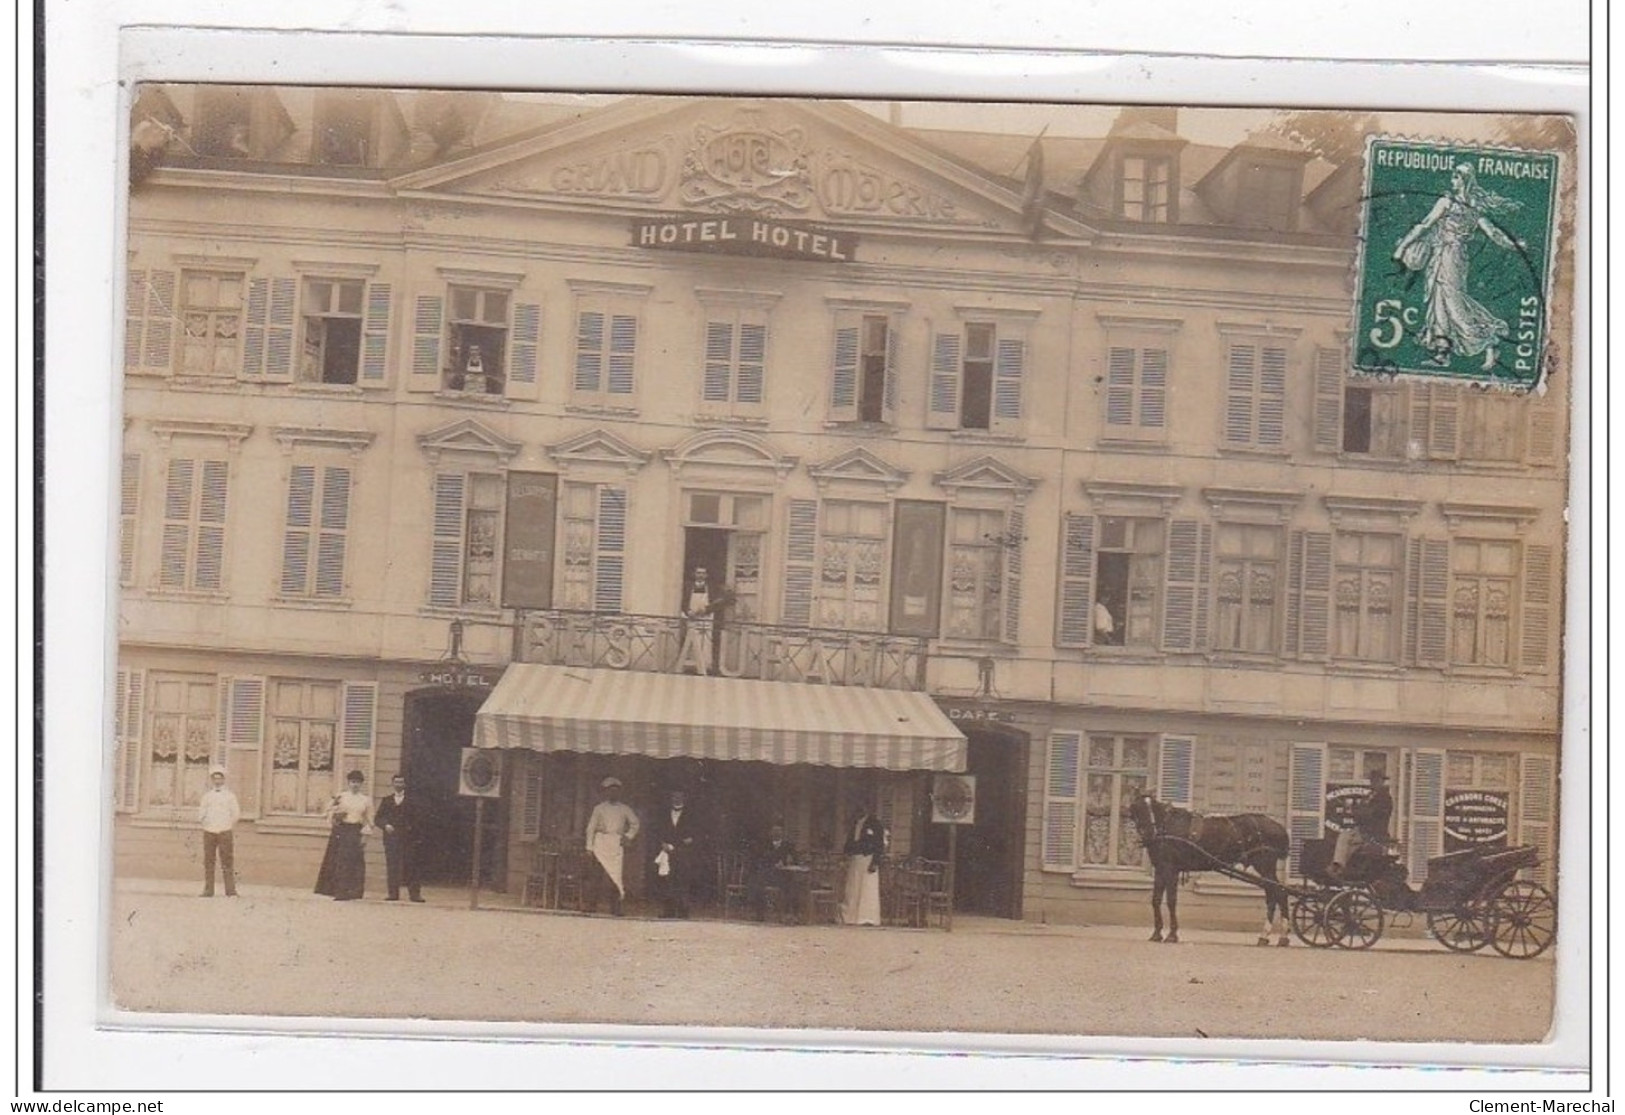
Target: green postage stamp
[1455,262]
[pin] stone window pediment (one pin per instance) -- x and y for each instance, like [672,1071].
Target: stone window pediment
[598,449]
[986,476]
[1134,500]
[232,433]
[858,467]
[729,451]
[467,437]
[311,437]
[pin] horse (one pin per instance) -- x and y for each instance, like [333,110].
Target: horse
[1179,841]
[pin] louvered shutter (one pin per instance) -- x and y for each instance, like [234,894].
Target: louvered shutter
[1544,419]
[1435,420]
[177,540]
[1314,592]
[1015,539]
[279,324]
[296,536]
[889,396]
[1306,799]
[609,569]
[1537,813]
[717,381]
[211,529]
[1120,388]
[428,322]
[241,733]
[843,378]
[527,334]
[589,373]
[1204,592]
[129,510]
[1239,388]
[530,817]
[358,733]
[446,555]
[158,348]
[1154,388]
[1272,397]
[1176,771]
[1426,839]
[1075,626]
[135,317]
[1539,569]
[128,711]
[1062,776]
[942,411]
[333,533]
[800,557]
[1427,636]
[752,363]
[1009,368]
[623,346]
[256,319]
[375,335]
[1181,576]
[1328,418]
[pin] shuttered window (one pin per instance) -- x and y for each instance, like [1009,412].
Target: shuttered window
[1483,596]
[1306,799]
[863,368]
[1117,769]
[129,509]
[316,532]
[1136,393]
[192,553]
[1365,596]
[302,726]
[1537,814]
[977,543]
[977,378]
[150,320]
[211,323]
[605,367]
[1255,396]
[1249,588]
[1062,776]
[849,589]
[129,708]
[467,517]
[594,519]
[1426,822]
[732,381]
[1186,614]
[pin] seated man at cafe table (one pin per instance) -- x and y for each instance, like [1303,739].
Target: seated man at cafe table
[774,863]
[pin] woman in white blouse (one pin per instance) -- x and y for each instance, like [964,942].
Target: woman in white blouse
[344,869]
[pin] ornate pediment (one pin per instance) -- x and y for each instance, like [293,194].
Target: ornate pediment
[469,437]
[819,161]
[598,448]
[986,476]
[858,466]
[723,451]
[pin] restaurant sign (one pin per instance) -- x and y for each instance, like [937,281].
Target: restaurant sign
[743,236]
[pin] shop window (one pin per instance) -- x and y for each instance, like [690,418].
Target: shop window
[331,352]
[1365,588]
[467,521]
[192,557]
[1248,592]
[851,566]
[211,323]
[316,532]
[1117,770]
[1145,189]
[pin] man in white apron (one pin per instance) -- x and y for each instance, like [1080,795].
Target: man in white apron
[610,829]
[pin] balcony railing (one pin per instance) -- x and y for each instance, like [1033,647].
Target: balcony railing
[767,652]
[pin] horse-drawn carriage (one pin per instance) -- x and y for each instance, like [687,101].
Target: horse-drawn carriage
[1470,899]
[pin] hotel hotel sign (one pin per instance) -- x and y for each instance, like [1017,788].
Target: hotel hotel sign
[744,236]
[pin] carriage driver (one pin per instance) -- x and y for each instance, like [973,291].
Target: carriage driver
[1371,816]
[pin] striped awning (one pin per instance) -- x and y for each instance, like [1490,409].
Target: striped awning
[664,716]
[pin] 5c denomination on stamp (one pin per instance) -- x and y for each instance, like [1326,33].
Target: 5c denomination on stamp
[1454,266]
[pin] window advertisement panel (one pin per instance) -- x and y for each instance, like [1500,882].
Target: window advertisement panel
[916,596]
[527,565]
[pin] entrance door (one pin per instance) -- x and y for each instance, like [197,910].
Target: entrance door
[987,870]
[439,724]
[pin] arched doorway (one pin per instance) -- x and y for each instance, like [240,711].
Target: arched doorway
[438,724]
[988,864]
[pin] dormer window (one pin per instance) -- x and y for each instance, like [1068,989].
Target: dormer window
[221,127]
[1269,196]
[1145,189]
[345,127]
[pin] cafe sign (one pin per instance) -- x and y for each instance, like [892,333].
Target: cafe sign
[744,236]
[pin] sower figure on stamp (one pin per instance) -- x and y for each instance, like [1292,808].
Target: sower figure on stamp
[398,816]
[217,815]
[1370,827]
[612,826]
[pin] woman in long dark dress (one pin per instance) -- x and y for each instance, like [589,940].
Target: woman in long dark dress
[343,874]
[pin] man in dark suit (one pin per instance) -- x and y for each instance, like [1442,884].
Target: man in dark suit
[397,817]
[767,870]
[676,841]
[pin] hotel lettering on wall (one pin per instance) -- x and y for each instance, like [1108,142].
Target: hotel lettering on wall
[744,236]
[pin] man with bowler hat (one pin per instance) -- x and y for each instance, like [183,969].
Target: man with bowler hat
[1370,828]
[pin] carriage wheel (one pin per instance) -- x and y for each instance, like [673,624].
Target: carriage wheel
[1354,920]
[1308,914]
[1463,929]
[1523,920]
